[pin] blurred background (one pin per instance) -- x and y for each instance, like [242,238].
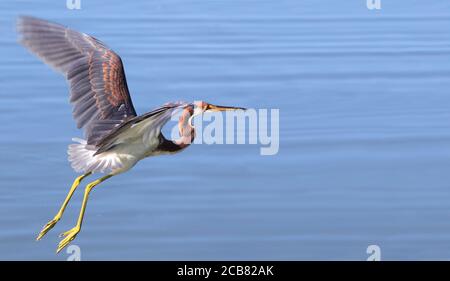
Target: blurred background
[364,132]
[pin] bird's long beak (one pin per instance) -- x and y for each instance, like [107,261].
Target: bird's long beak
[214,108]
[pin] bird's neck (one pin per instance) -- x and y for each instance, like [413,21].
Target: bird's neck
[187,133]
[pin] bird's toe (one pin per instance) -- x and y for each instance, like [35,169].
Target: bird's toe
[68,237]
[47,228]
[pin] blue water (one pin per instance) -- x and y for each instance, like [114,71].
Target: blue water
[364,132]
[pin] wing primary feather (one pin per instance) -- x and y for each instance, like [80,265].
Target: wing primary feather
[98,88]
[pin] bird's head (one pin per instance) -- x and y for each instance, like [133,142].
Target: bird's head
[202,107]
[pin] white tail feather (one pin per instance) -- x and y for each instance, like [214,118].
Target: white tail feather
[82,158]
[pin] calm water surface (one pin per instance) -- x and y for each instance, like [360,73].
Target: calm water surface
[364,132]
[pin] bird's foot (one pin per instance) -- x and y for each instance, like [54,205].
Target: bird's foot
[47,227]
[68,237]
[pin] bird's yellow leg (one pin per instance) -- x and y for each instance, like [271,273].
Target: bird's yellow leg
[72,233]
[58,215]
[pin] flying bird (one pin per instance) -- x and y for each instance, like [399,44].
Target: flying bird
[116,138]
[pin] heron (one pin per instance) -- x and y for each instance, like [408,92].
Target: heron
[115,137]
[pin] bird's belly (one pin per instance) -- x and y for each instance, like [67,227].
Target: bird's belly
[131,153]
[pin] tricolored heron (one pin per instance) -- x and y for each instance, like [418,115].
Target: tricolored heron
[116,137]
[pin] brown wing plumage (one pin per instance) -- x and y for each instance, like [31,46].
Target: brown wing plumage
[98,88]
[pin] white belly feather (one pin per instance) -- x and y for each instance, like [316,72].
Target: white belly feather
[129,149]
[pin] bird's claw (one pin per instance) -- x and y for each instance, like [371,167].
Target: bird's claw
[68,237]
[47,228]
[64,234]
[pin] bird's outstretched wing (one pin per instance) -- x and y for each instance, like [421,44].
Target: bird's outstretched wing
[98,88]
[147,125]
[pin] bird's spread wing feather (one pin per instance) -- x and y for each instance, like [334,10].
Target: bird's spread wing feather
[145,125]
[98,88]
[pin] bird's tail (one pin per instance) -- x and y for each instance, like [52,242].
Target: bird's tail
[82,158]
